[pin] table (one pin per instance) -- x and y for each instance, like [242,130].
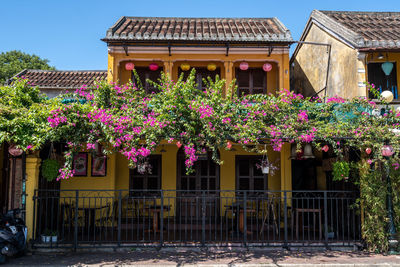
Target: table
[237,207]
[300,211]
[90,216]
[156,210]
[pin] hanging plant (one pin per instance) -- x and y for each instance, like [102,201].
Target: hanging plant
[341,170]
[50,169]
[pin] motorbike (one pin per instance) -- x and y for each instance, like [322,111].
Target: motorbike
[13,234]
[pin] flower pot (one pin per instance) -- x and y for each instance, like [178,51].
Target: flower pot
[54,239]
[46,238]
[331,235]
[265,170]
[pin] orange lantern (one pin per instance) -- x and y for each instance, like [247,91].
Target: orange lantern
[211,67]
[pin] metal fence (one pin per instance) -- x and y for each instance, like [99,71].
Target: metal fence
[82,218]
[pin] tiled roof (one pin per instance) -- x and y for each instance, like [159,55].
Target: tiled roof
[198,29]
[62,78]
[370,29]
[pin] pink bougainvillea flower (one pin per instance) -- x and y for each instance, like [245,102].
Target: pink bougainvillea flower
[369,161]
[325,148]
[178,144]
[29,147]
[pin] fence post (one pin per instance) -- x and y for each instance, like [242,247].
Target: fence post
[119,216]
[285,226]
[162,219]
[244,218]
[35,197]
[326,218]
[76,220]
[203,219]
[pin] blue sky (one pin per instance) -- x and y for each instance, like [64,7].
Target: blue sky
[68,33]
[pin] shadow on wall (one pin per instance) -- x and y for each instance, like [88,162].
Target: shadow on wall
[299,82]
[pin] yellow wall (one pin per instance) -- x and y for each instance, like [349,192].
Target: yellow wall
[311,62]
[277,78]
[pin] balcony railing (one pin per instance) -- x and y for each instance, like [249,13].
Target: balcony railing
[82,218]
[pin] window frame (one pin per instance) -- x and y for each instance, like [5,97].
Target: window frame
[145,177]
[253,159]
[147,73]
[251,87]
[200,71]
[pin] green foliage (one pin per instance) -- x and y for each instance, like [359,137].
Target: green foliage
[12,62]
[341,170]
[50,169]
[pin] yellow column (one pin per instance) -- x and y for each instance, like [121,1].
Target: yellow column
[361,75]
[111,70]
[168,68]
[286,168]
[32,182]
[285,70]
[228,65]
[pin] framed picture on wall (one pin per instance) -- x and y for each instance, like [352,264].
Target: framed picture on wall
[80,164]
[99,165]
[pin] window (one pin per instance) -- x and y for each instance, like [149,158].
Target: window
[144,74]
[147,181]
[201,73]
[248,176]
[381,81]
[251,81]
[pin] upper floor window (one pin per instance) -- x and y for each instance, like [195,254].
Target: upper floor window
[380,80]
[145,74]
[251,81]
[201,73]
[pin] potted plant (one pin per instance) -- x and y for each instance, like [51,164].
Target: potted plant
[50,168]
[49,236]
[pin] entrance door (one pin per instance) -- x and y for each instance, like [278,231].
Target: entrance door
[197,191]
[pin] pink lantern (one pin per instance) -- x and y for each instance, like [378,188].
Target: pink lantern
[368,150]
[244,66]
[387,151]
[153,66]
[267,67]
[129,66]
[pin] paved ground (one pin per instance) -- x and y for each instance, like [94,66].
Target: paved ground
[181,257]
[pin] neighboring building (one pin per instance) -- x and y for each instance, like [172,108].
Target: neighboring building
[360,43]
[55,82]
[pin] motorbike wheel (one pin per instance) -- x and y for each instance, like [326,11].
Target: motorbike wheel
[2,259]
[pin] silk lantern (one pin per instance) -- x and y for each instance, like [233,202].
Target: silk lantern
[244,66]
[153,66]
[185,66]
[387,68]
[267,67]
[211,67]
[387,96]
[387,151]
[129,66]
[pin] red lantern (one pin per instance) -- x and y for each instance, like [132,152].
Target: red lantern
[267,67]
[387,151]
[129,66]
[153,66]
[368,150]
[244,66]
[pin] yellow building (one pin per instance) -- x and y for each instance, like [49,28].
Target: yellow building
[235,202]
[358,44]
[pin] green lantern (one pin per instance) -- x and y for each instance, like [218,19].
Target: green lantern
[387,68]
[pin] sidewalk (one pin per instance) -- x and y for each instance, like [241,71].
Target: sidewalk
[219,258]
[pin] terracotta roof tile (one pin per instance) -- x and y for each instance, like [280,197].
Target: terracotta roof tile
[372,29]
[62,79]
[198,29]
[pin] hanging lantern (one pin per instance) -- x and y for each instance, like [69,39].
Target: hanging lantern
[387,96]
[387,151]
[185,66]
[153,66]
[308,154]
[129,66]
[15,151]
[293,152]
[267,67]
[244,66]
[387,68]
[211,67]
[368,150]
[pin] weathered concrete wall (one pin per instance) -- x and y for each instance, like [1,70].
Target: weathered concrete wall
[310,65]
